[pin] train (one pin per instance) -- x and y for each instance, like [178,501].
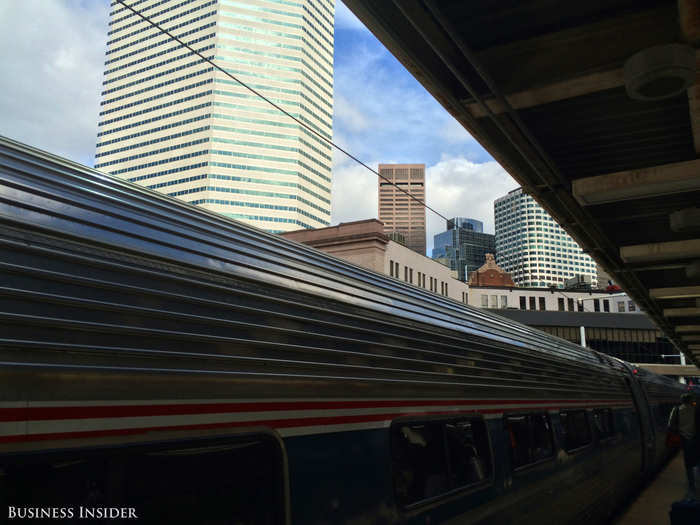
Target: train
[170,365]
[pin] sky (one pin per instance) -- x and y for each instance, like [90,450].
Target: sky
[50,86]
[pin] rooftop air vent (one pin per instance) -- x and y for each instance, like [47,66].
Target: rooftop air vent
[660,72]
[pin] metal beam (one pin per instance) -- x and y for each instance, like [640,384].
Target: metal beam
[670,370]
[689,14]
[661,251]
[685,221]
[571,88]
[688,328]
[682,312]
[579,85]
[676,292]
[667,179]
[540,61]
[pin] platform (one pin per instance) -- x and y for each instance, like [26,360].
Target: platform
[654,502]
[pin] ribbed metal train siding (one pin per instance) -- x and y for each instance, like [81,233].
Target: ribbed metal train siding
[106,286]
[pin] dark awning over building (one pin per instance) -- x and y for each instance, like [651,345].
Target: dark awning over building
[541,85]
[576,319]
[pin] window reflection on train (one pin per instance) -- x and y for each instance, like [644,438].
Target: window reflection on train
[237,482]
[576,429]
[435,457]
[530,438]
[604,422]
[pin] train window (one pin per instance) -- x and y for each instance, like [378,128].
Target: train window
[432,458]
[219,480]
[576,429]
[604,422]
[530,439]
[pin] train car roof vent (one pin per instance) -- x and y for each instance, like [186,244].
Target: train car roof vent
[660,72]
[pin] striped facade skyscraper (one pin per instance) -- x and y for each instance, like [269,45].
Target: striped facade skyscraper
[533,248]
[171,122]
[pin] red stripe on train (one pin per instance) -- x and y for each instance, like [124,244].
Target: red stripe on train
[102,411]
[273,423]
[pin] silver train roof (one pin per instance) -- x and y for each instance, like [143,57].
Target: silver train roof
[42,191]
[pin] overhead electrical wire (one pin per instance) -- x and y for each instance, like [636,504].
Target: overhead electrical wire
[282,110]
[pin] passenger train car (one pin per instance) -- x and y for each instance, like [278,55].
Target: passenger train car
[163,359]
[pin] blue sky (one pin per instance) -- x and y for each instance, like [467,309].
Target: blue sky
[50,85]
[376,95]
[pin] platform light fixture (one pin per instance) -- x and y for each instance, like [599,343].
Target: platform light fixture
[660,72]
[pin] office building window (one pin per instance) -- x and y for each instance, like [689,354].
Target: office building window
[542,304]
[596,305]
[405,273]
[494,301]
[410,275]
[504,301]
[523,303]
[606,305]
[580,305]
[621,306]
[532,303]
[632,306]
[560,303]
[484,301]
[570,304]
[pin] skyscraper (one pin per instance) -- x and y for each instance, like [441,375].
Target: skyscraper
[398,211]
[533,248]
[463,246]
[171,122]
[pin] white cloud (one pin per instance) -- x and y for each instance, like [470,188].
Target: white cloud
[51,73]
[347,116]
[460,187]
[454,133]
[354,196]
[345,19]
[454,187]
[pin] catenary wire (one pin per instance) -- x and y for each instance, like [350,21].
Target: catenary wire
[282,110]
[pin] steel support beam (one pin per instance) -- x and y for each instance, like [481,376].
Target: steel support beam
[676,292]
[682,312]
[636,184]
[661,251]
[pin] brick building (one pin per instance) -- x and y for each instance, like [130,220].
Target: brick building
[490,274]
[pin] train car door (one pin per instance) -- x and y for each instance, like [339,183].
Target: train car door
[641,406]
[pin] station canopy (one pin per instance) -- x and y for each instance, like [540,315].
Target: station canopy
[594,109]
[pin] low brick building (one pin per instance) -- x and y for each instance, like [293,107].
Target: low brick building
[490,274]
